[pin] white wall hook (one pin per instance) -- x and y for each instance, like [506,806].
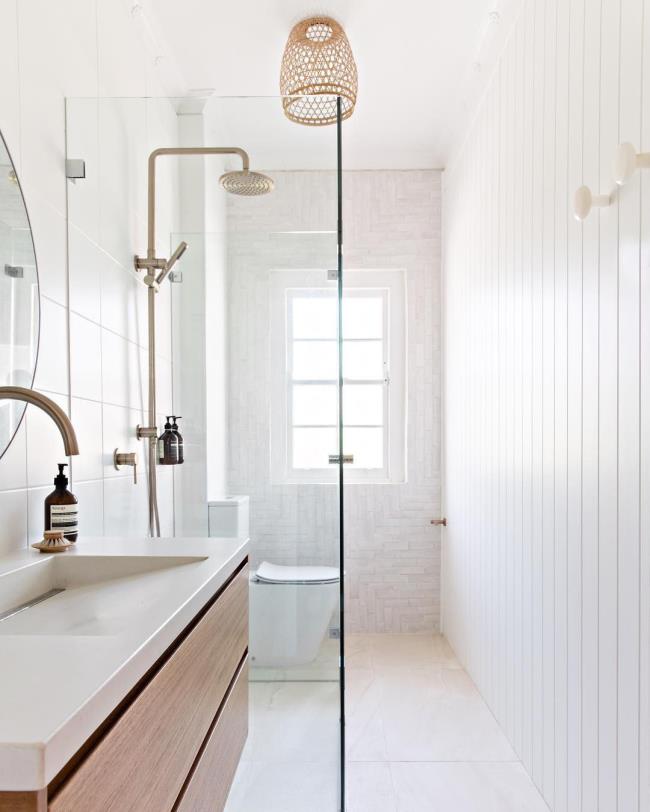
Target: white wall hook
[627,161]
[584,201]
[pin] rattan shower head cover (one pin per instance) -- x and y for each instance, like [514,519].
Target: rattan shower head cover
[318,66]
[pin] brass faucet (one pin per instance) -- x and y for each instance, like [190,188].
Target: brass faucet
[49,407]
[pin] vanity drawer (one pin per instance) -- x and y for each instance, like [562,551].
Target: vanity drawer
[209,784]
[144,759]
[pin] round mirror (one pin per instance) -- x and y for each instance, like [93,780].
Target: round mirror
[19,299]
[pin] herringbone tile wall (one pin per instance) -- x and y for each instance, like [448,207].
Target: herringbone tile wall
[391,221]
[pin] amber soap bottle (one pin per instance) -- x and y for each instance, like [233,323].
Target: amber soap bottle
[61,508]
[168,446]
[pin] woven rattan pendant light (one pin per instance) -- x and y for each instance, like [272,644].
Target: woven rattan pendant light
[318,66]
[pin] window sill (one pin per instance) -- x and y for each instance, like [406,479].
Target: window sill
[347,480]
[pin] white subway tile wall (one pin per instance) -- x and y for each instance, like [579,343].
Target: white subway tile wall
[546,561]
[391,221]
[92,357]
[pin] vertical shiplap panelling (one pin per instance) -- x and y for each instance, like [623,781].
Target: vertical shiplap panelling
[528,23]
[590,410]
[492,386]
[628,417]
[517,425]
[473,488]
[501,526]
[537,269]
[608,417]
[485,533]
[574,410]
[497,528]
[547,591]
[508,97]
[644,529]
[547,441]
[560,556]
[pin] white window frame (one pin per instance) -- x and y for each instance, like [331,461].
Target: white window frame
[284,286]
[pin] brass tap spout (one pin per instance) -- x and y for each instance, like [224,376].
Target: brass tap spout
[49,407]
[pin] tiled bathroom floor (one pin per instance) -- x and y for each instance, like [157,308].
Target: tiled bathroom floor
[290,761]
[419,738]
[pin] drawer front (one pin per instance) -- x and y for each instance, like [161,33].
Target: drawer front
[23,801]
[144,759]
[209,784]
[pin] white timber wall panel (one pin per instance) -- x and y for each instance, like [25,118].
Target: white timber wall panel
[573,553]
[546,565]
[644,513]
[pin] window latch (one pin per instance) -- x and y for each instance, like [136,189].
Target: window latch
[335,459]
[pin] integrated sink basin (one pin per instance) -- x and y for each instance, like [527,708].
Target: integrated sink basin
[90,595]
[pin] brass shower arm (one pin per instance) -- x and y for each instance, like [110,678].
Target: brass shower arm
[151,200]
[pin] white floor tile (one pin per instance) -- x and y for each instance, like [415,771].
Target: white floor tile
[438,715]
[300,787]
[419,739]
[410,651]
[293,722]
[410,705]
[369,788]
[465,788]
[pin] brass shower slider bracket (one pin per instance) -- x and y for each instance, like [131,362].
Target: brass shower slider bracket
[163,266]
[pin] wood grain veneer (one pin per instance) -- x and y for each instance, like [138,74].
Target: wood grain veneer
[143,761]
[24,801]
[209,784]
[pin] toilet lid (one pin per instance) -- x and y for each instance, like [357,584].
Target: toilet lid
[282,574]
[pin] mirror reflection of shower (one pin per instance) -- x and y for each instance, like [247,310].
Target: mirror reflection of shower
[243,182]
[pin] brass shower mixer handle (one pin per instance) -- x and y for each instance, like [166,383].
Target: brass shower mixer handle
[121,458]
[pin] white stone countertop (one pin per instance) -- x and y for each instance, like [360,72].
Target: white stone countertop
[67,662]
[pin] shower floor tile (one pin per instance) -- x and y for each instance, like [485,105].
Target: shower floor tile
[419,739]
[419,736]
[441,787]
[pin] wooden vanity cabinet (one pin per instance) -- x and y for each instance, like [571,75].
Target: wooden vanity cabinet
[175,742]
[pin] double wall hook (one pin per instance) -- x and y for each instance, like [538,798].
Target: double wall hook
[627,161]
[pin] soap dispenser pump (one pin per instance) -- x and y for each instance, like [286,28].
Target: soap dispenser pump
[61,507]
[168,446]
[179,438]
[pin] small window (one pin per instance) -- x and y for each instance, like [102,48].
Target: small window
[305,410]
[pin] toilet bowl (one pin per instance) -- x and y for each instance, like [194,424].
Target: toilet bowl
[290,611]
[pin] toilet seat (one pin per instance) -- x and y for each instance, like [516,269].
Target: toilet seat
[282,574]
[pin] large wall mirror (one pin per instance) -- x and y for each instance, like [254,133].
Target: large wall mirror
[19,299]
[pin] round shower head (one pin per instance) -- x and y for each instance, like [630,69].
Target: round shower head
[245,182]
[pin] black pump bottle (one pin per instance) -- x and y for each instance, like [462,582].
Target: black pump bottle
[179,438]
[168,446]
[61,511]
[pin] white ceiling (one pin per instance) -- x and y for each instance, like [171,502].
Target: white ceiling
[422,64]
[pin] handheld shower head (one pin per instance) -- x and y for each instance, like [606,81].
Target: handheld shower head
[247,183]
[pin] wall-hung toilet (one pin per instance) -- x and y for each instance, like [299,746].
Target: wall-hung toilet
[290,612]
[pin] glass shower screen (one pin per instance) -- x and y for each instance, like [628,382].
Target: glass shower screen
[248,352]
